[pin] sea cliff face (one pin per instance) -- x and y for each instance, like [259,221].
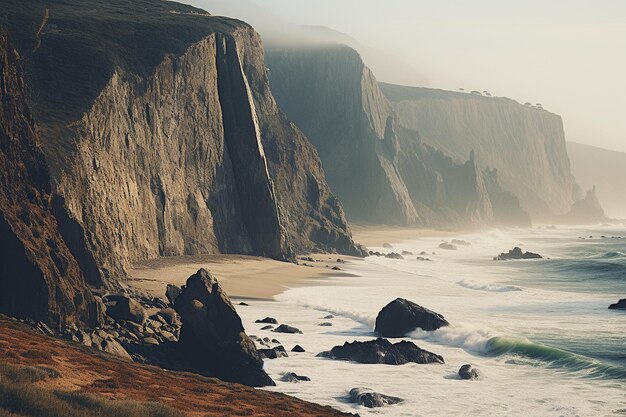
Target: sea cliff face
[163,138]
[382,172]
[525,145]
[39,276]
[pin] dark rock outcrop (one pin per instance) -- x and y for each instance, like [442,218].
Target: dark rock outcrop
[172,292]
[212,334]
[297,348]
[620,305]
[293,377]
[468,372]
[402,316]
[268,320]
[371,399]
[517,253]
[382,351]
[285,328]
[122,307]
[40,278]
[273,353]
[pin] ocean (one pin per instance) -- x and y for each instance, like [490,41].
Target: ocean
[538,331]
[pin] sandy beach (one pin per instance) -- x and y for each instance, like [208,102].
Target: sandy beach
[244,277]
[253,277]
[375,235]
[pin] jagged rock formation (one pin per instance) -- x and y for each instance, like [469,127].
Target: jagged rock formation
[212,335]
[525,145]
[39,276]
[163,138]
[381,171]
[586,210]
[604,168]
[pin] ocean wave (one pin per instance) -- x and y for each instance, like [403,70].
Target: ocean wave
[485,343]
[613,255]
[473,285]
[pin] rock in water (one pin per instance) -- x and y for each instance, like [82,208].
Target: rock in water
[284,328]
[387,246]
[620,305]
[382,351]
[467,372]
[213,336]
[273,353]
[402,316]
[297,348]
[517,253]
[269,320]
[372,399]
[447,246]
[293,377]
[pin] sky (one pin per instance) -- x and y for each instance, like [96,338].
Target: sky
[568,55]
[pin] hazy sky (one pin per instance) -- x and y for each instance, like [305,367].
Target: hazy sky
[569,55]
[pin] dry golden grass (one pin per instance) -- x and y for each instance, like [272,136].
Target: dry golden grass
[88,378]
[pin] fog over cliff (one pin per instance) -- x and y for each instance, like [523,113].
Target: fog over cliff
[563,54]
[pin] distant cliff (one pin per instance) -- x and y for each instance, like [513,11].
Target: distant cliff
[381,171]
[606,170]
[526,145]
[162,137]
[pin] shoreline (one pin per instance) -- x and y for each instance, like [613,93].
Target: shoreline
[245,277]
[242,277]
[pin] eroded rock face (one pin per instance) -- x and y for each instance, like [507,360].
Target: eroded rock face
[213,336]
[39,276]
[517,253]
[402,316]
[166,145]
[382,351]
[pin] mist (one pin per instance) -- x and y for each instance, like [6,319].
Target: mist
[565,55]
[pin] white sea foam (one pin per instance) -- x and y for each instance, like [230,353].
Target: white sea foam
[473,285]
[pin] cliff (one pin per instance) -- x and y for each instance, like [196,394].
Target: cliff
[526,145]
[39,276]
[604,168]
[585,210]
[381,171]
[163,138]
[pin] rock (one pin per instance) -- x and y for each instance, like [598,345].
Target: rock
[172,292]
[168,336]
[467,372]
[159,302]
[382,351]
[269,320]
[394,255]
[243,304]
[406,253]
[114,348]
[169,315]
[336,268]
[421,258]
[297,348]
[284,328]
[273,353]
[517,253]
[325,324]
[387,246]
[212,335]
[424,253]
[340,261]
[461,242]
[402,316]
[447,246]
[620,305]
[150,341]
[330,316]
[293,377]
[372,399]
[275,341]
[125,308]
[268,327]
